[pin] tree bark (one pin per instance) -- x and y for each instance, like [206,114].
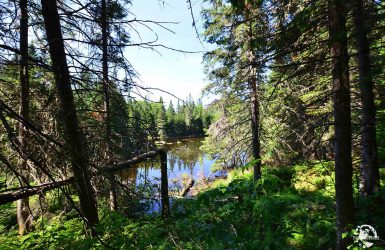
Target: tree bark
[164,184]
[23,211]
[345,213]
[370,175]
[105,82]
[254,105]
[256,145]
[25,192]
[131,163]
[187,188]
[104,27]
[73,136]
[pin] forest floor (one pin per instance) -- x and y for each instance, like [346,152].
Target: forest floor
[289,208]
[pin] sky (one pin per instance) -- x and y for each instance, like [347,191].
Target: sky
[178,73]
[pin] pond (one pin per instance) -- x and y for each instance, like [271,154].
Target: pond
[184,158]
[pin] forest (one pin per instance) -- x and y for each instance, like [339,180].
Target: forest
[284,149]
[158,122]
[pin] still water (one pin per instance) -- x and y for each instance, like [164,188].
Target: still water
[184,158]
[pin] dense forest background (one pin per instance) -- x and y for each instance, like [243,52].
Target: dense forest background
[188,119]
[298,122]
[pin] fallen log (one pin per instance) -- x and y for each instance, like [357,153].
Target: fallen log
[130,163]
[189,185]
[24,192]
[180,197]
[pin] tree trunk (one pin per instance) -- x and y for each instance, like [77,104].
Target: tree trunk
[256,145]
[164,184]
[370,175]
[23,211]
[73,136]
[345,213]
[109,155]
[25,192]
[105,80]
[254,104]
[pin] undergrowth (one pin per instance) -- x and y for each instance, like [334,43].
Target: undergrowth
[289,208]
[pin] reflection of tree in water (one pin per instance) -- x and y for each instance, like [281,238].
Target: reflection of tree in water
[182,156]
[129,175]
[186,154]
[138,172]
[171,162]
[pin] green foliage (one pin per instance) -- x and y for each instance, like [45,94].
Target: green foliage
[239,30]
[267,214]
[239,214]
[286,209]
[56,233]
[157,122]
[7,217]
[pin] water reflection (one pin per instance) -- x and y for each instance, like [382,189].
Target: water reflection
[129,174]
[184,158]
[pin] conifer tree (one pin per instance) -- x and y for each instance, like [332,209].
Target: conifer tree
[74,138]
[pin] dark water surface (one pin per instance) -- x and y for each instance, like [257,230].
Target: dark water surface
[184,158]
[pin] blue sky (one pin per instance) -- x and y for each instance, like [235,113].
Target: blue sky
[175,72]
